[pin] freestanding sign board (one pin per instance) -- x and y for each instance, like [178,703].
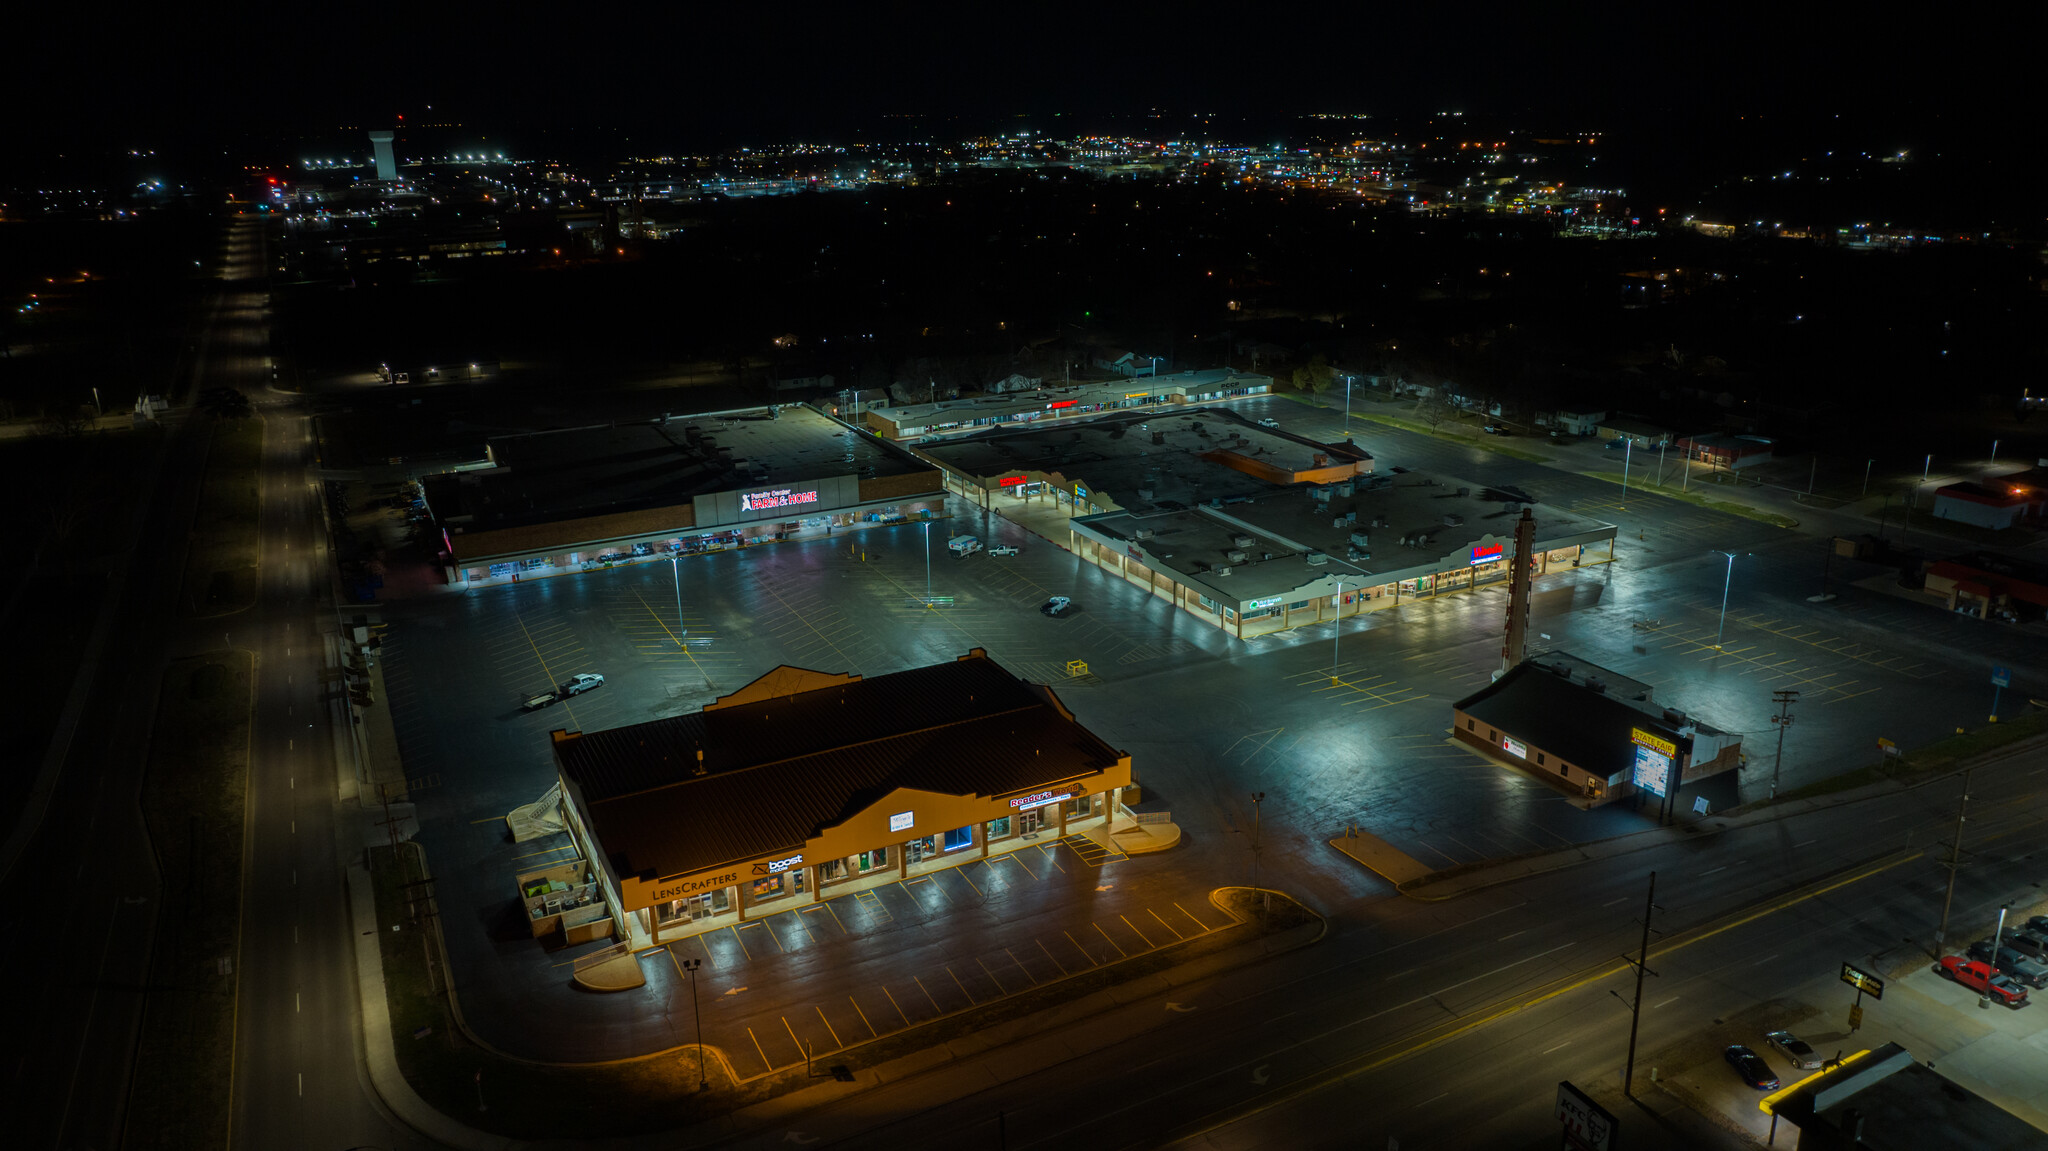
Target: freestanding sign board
[1863,981]
[1587,1125]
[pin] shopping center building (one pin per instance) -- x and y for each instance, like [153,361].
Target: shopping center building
[563,501]
[807,784]
[1255,530]
[1059,404]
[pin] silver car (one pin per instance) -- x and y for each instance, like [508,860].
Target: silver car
[1795,1050]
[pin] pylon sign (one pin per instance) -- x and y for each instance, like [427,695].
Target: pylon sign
[1587,1125]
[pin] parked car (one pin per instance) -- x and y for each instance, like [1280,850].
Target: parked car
[2031,972]
[1003,550]
[1056,605]
[2038,923]
[580,683]
[1982,978]
[1496,430]
[1794,1049]
[2032,944]
[1751,1067]
[1617,445]
[1269,422]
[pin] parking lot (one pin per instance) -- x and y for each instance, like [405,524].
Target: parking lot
[1330,737]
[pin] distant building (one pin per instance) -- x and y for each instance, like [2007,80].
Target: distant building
[1995,504]
[1988,587]
[1593,734]
[1726,451]
[1581,422]
[1129,364]
[1642,432]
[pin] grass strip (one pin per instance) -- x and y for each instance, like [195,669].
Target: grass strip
[220,568]
[193,803]
[1685,497]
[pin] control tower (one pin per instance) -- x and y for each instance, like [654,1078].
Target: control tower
[387,167]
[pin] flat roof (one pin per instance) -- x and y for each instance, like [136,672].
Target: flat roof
[780,767]
[1583,714]
[542,477]
[1411,524]
[1115,454]
[1078,395]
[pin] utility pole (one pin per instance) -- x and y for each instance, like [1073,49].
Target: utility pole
[1641,964]
[1258,797]
[1955,861]
[1784,699]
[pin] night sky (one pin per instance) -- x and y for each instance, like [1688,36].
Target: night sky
[703,76]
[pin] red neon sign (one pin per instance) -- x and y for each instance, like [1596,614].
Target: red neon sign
[1489,554]
[1013,481]
[1062,404]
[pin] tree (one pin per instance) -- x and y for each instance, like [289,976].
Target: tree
[1314,377]
[1432,409]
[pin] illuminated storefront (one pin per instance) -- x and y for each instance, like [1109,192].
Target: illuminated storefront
[804,784]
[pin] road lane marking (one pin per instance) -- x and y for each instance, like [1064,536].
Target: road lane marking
[1559,1047]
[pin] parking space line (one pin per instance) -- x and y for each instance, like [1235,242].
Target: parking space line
[801,1050]
[1050,955]
[837,1042]
[962,986]
[1163,923]
[1134,931]
[1111,942]
[764,926]
[757,1050]
[1092,961]
[1047,856]
[734,928]
[816,908]
[872,1033]
[897,1006]
[1012,857]
[1191,915]
[961,874]
[1000,989]
[927,994]
[1020,966]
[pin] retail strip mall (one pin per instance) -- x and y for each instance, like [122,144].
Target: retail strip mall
[1250,529]
[805,784]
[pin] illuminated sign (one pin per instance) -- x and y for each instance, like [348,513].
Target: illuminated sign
[678,890]
[1655,743]
[1136,395]
[1488,554]
[1013,481]
[1652,771]
[1061,404]
[1863,981]
[902,820]
[1515,748]
[1263,604]
[1080,492]
[777,866]
[1039,799]
[779,498]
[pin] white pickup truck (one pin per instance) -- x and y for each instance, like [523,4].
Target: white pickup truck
[963,545]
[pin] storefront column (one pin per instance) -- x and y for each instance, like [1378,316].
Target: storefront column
[1062,809]
[816,882]
[739,901]
[981,833]
[903,860]
[652,922]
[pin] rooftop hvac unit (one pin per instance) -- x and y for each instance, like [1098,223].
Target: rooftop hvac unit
[1674,716]
[1243,541]
[1143,533]
[1222,571]
[1362,539]
[1317,559]
[1320,494]
[1453,520]
[1344,489]
[1339,522]
[1145,494]
[1597,685]
[1351,517]
[1357,554]
[1235,557]
[1463,492]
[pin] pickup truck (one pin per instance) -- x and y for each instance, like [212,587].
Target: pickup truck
[1983,979]
[1003,550]
[963,545]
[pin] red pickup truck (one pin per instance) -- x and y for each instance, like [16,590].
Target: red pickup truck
[1983,979]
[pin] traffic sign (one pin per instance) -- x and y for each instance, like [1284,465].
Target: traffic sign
[1863,981]
[2000,676]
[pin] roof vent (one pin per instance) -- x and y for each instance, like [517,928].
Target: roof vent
[1222,571]
[1243,541]
[1235,557]
[1142,533]
[1317,559]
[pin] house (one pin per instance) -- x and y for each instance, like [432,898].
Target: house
[1129,364]
[1995,504]
[1583,422]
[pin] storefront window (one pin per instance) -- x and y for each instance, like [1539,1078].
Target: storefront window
[768,888]
[1079,807]
[999,828]
[959,837]
[920,849]
[868,861]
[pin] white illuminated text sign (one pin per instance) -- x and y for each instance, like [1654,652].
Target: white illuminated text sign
[1039,799]
[902,820]
[779,498]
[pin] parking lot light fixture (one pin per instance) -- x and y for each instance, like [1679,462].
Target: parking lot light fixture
[675,571]
[1726,582]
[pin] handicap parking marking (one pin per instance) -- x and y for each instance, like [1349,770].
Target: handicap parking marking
[1092,853]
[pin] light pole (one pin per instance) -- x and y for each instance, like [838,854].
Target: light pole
[1258,797]
[1660,464]
[681,631]
[1337,631]
[1866,477]
[1784,699]
[1726,581]
[690,967]
[1994,443]
[1923,481]
[1347,417]
[927,563]
[1628,453]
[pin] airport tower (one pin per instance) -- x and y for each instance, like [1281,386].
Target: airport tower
[387,167]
